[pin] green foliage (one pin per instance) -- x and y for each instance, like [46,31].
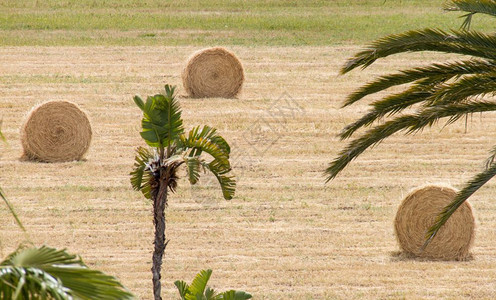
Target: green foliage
[441,90]
[11,209]
[47,273]
[198,290]
[140,180]
[161,123]
[472,7]
[163,129]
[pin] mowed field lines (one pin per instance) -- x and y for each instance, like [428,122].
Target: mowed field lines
[285,235]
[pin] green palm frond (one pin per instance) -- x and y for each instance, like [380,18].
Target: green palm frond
[388,106]
[460,42]
[436,73]
[198,289]
[200,133]
[193,165]
[206,140]
[470,188]
[182,288]
[162,123]
[40,273]
[472,7]
[233,295]
[490,160]
[140,179]
[411,123]
[11,209]
[466,88]
[227,181]
[200,282]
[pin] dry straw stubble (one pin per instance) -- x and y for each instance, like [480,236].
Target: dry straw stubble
[418,212]
[56,131]
[213,72]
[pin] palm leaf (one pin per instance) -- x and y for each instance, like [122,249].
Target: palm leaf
[436,73]
[468,87]
[472,7]
[470,188]
[487,7]
[388,106]
[11,209]
[206,141]
[162,123]
[412,123]
[35,272]
[200,281]
[472,86]
[140,179]
[193,168]
[182,288]
[233,295]
[460,42]
[209,293]
[200,133]
[227,182]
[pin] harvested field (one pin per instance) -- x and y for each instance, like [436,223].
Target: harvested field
[285,235]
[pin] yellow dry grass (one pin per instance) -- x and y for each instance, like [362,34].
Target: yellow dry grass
[285,235]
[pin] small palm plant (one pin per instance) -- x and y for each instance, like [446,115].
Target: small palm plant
[155,169]
[48,273]
[198,289]
[441,90]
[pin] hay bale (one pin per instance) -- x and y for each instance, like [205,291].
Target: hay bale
[56,131]
[419,211]
[213,72]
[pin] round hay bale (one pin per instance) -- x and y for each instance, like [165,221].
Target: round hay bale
[213,72]
[56,131]
[419,211]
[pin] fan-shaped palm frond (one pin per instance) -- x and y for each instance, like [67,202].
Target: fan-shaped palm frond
[199,290]
[441,90]
[47,273]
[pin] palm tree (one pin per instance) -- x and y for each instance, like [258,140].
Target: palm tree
[199,290]
[441,90]
[48,273]
[155,169]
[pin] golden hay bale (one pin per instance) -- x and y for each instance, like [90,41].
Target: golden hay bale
[56,131]
[213,72]
[419,211]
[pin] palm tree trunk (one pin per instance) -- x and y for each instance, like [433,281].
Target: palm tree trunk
[159,204]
